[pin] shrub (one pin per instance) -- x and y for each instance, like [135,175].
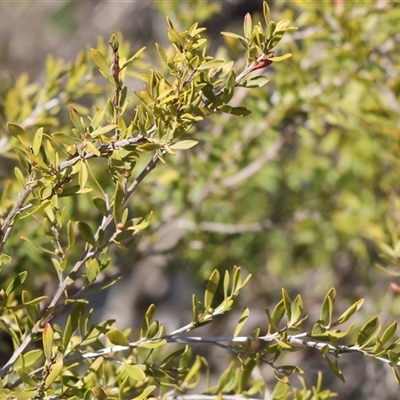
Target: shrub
[84,152]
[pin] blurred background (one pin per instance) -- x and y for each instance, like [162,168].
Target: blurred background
[303,193]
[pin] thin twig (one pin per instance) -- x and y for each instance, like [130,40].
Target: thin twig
[297,340]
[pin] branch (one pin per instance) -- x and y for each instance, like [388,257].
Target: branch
[6,228]
[104,149]
[214,340]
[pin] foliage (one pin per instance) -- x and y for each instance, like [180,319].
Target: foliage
[79,198]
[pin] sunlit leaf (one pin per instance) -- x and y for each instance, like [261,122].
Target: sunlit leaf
[242,321]
[184,144]
[212,286]
[368,330]
[47,338]
[117,337]
[86,232]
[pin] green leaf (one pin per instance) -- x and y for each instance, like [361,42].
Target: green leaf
[285,345]
[83,175]
[280,58]
[282,25]
[350,311]
[23,159]
[98,118]
[60,137]
[28,301]
[96,364]
[149,146]
[29,359]
[154,331]
[276,317]
[174,37]
[266,12]
[287,304]
[118,202]
[396,375]
[340,334]
[389,332]
[42,206]
[393,357]
[28,380]
[55,372]
[287,370]
[224,379]
[247,26]
[144,395]
[100,204]
[240,111]
[99,393]
[139,224]
[226,284]
[17,281]
[194,374]
[45,192]
[297,310]
[184,144]
[318,330]
[327,307]
[71,235]
[242,321]
[5,259]
[130,59]
[210,64]
[76,119]
[333,365]
[17,132]
[102,64]
[91,148]
[211,289]
[74,317]
[276,38]
[37,141]
[153,344]
[103,130]
[255,82]
[241,39]
[195,309]
[47,338]
[92,270]
[281,390]
[136,373]
[367,331]
[20,176]
[86,232]
[117,337]
[29,395]
[147,320]
[246,372]
[163,56]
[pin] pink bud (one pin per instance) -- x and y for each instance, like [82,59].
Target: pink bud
[262,64]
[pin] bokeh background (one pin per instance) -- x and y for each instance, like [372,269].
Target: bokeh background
[303,194]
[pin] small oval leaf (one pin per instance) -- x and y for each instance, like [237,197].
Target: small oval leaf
[116,337]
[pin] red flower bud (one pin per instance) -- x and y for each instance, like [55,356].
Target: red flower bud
[262,64]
